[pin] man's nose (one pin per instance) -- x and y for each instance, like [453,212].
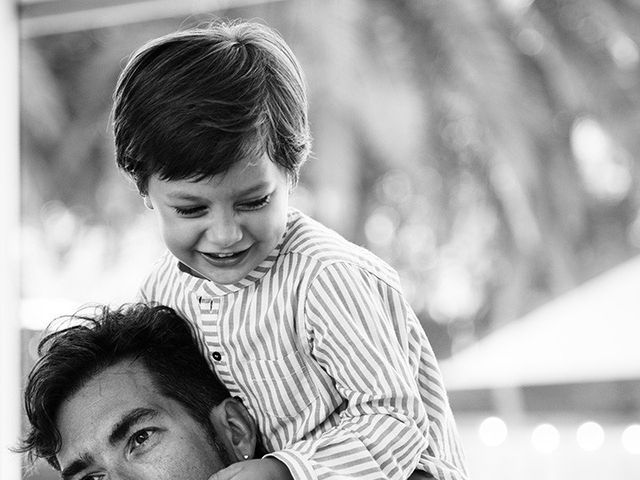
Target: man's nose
[120,473]
[119,467]
[124,476]
[225,230]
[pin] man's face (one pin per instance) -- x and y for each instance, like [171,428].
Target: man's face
[224,226]
[119,426]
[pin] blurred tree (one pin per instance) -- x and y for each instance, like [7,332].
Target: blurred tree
[482,148]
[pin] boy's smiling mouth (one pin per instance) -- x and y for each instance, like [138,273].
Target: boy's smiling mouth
[225,259]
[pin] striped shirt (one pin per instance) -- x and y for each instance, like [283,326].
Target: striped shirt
[322,347]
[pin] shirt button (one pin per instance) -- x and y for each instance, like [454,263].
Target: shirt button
[216,356]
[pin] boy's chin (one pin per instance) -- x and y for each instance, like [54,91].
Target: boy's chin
[220,275]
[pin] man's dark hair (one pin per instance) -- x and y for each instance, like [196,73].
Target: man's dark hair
[192,104]
[156,336]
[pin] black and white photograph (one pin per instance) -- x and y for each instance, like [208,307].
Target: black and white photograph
[320,239]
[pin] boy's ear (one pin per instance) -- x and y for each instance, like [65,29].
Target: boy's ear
[147,202]
[236,428]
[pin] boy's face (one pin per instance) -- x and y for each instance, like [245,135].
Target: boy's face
[224,226]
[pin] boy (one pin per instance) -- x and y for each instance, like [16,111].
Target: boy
[309,330]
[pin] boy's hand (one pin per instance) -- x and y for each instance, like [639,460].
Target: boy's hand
[263,469]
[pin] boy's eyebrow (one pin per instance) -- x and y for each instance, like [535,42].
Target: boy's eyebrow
[121,428]
[183,196]
[255,188]
[258,187]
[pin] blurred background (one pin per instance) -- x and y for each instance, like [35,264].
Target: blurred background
[486,149]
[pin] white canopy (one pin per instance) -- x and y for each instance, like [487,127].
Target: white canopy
[589,334]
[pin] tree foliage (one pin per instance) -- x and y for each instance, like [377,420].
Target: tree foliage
[485,149]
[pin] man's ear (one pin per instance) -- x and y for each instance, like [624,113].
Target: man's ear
[147,202]
[235,427]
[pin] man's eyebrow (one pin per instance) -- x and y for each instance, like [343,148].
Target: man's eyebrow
[118,432]
[121,428]
[76,466]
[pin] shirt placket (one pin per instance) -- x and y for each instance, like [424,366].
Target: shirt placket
[210,324]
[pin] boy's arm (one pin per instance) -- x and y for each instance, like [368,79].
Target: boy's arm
[365,336]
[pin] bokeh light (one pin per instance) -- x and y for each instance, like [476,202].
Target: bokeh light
[380,227]
[590,436]
[604,169]
[493,431]
[624,51]
[545,438]
[631,439]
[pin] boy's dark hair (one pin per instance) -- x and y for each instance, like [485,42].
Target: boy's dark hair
[191,104]
[154,335]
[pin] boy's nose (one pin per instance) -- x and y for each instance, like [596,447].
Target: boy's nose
[224,232]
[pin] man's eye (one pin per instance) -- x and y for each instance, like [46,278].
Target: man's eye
[189,211]
[93,477]
[139,438]
[256,204]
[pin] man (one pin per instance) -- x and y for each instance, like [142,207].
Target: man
[127,394]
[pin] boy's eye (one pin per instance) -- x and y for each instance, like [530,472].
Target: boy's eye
[255,204]
[189,211]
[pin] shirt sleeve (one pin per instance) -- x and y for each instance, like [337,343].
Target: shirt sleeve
[357,327]
[142,296]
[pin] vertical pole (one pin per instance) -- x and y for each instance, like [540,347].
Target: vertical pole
[10,375]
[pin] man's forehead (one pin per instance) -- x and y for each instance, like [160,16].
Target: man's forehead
[119,424]
[126,380]
[107,403]
[118,434]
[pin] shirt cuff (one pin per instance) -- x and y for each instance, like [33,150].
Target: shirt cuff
[297,464]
